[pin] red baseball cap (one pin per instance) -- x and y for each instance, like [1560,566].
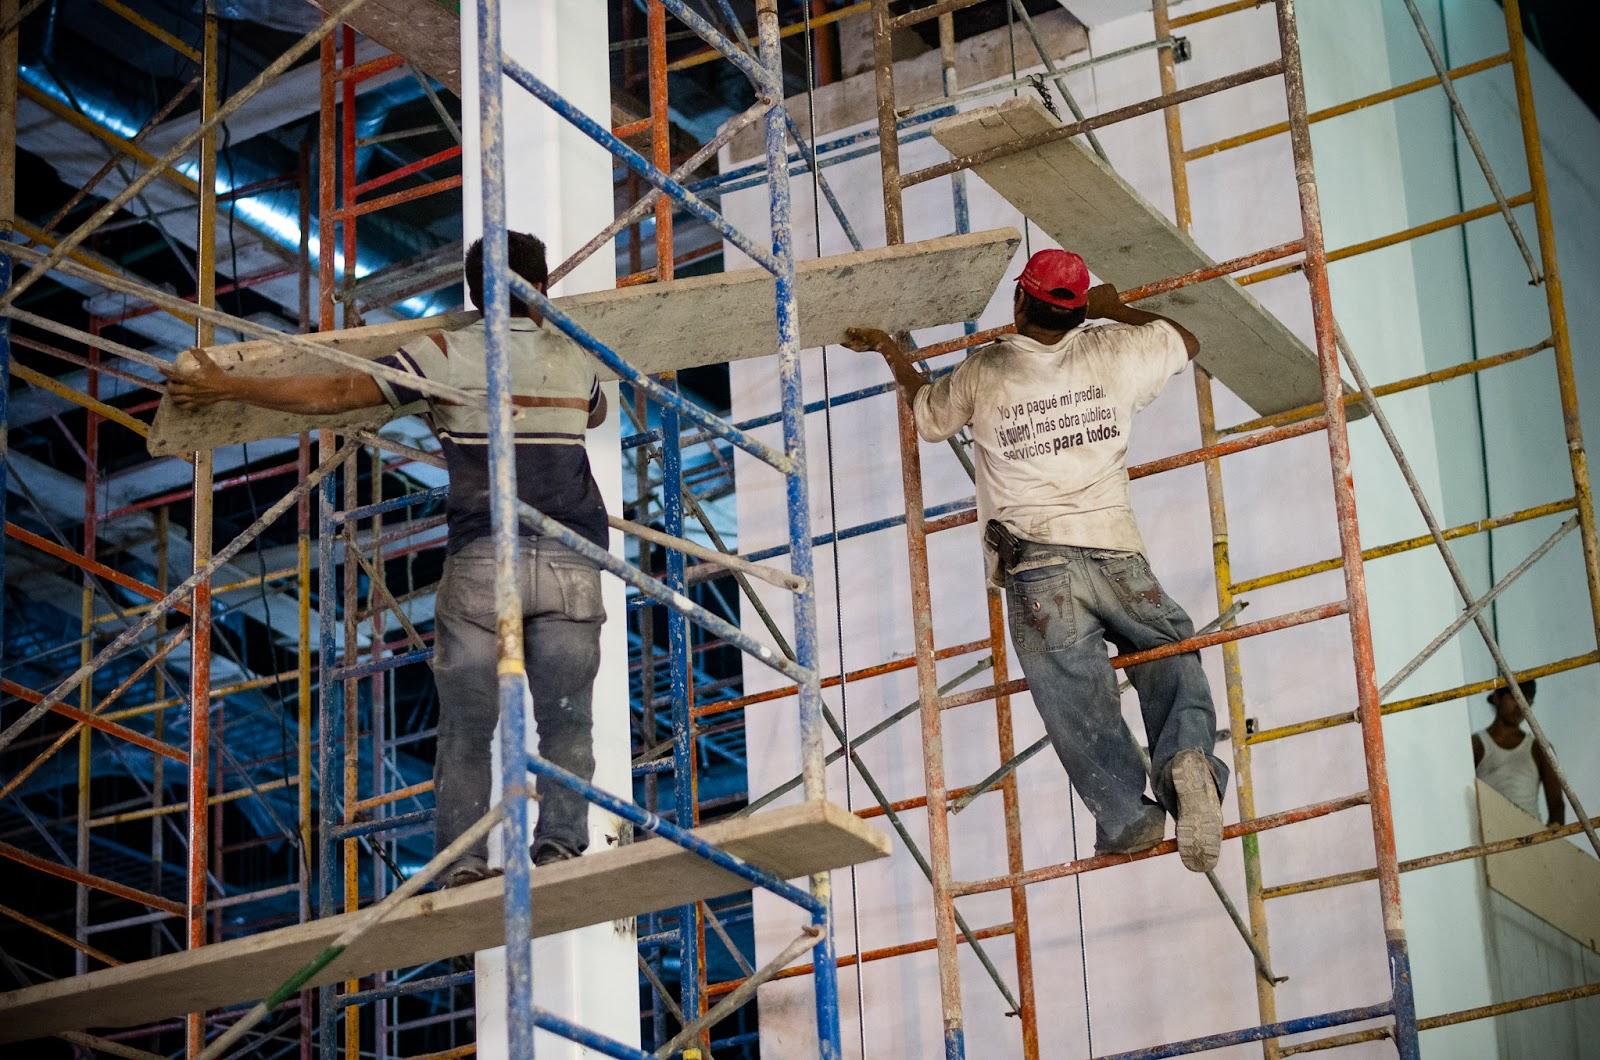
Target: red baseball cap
[1058,277]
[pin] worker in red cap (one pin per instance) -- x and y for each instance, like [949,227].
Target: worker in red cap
[1050,409]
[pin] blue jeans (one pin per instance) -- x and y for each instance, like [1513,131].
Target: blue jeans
[561,618]
[1061,614]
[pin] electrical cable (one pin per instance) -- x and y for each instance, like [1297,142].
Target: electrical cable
[833,519]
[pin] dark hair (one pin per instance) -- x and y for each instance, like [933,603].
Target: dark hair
[1529,687]
[526,254]
[1049,317]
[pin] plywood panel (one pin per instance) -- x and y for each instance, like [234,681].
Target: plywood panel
[609,885]
[1556,882]
[1083,205]
[655,327]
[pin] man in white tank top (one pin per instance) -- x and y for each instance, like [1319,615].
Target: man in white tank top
[1511,763]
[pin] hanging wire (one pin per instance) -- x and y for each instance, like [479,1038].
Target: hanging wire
[279,701]
[1072,802]
[833,519]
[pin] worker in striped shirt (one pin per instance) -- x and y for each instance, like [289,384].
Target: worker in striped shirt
[557,397]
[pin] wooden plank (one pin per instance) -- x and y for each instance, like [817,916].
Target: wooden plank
[1083,205]
[609,885]
[1556,882]
[656,327]
[426,32]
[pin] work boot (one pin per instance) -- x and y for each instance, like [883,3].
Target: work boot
[1199,811]
[1143,834]
[549,852]
[465,872]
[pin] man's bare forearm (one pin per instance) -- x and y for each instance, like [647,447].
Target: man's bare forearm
[906,373]
[1554,797]
[309,395]
[203,383]
[1127,314]
[1106,304]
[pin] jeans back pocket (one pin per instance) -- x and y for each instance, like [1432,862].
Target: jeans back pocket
[580,590]
[1135,585]
[1039,603]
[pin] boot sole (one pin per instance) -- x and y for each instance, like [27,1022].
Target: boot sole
[1199,813]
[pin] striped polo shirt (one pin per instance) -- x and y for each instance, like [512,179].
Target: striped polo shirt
[554,390]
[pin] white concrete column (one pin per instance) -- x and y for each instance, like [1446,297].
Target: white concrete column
[558,187]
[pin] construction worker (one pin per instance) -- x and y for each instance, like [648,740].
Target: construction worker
[557,396]
[1507,759]
[1050,409]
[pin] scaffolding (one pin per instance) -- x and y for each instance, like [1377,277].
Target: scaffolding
[348,691]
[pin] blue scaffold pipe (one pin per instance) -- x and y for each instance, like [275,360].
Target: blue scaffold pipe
[660,765]
[639,381]
[406,988]
[766,419]
[834,204]
[833,160]
[658,938]
[384,824]
[765,83]
[679,682]
[799,160]
[646,821]
[1256,1034]
[330,694]
[849,397]
[512,680]
[572,1032]
[959,204]
[548,527]
[393,504]
[5,413]
[1404,999]
[634,441]
[817,406]
[825,975]
[637,162]
[862,529]
[378,666]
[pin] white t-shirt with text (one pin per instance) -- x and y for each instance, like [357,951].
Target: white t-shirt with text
[1050,426]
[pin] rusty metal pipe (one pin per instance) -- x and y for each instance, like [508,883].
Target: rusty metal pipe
[1368,706]
[1105,861]
[1163,651]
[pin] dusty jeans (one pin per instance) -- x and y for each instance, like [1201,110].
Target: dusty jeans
[561,615]
[1062,612]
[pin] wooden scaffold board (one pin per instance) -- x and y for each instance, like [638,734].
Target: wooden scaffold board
[1082,203]
[656,327]
[614,884]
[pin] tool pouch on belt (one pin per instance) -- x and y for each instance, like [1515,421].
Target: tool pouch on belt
[1006,545]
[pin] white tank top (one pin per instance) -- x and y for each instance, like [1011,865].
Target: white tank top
[1512,773]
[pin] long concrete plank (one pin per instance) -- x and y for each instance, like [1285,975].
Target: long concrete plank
[1556,882]
[426,32]
[1085,206]
[655,327]
[610,885]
